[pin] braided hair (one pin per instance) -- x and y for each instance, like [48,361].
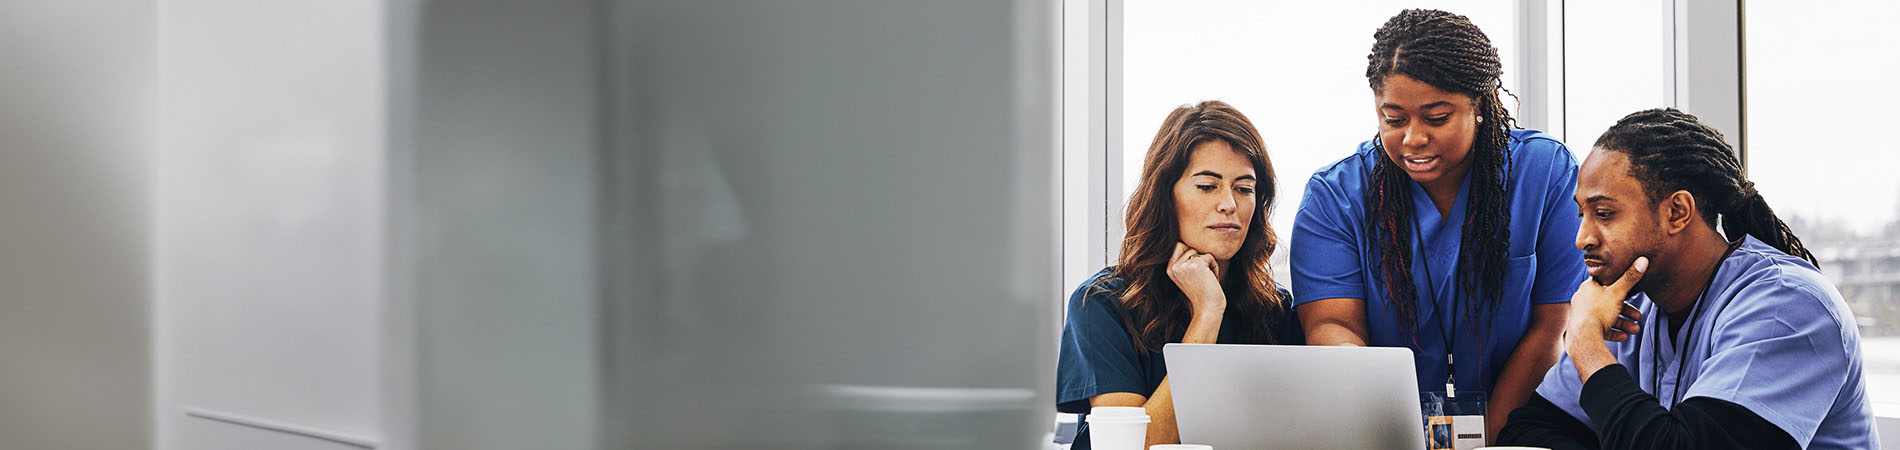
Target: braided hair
[1671,151]
[1450,53]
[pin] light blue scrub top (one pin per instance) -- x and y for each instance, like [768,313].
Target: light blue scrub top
[1771,334]
[1334,256]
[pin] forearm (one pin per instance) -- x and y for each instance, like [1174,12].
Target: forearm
[1541,423]
[1333,333]
[1522,373]
[1204,328]
[1515,386]
[1628,418]
[1587,350]
[1161,426]
[1334,321]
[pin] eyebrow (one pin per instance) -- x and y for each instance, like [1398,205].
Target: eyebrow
[1427,106]
[1597,198]
[1210,173]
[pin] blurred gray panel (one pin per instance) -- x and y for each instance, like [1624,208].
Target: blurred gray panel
[751,224]
[505,143]
[77,124]
[831,224]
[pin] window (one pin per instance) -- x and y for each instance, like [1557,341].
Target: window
[1616,59]
[1297,69]
[1816,80]
[1818,88]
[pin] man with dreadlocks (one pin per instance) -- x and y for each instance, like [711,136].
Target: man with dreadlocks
[1448,233]
[1733,340]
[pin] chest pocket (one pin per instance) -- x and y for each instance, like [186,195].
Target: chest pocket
[1514,309]
[1520,273]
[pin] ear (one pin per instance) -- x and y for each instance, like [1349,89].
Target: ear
[1678,212]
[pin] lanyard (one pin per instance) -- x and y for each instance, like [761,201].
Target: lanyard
[1431,287]
[1451,384]
[1688,335]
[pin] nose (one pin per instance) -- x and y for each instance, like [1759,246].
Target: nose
[1414,137]
[1227,205]
[1586,238]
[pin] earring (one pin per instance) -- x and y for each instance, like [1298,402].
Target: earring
[1480,119]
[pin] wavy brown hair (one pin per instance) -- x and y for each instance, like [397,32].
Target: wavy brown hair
[1155,309]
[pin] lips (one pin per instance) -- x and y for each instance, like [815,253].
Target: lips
[1595,265]
[1419,163]
[1225,227]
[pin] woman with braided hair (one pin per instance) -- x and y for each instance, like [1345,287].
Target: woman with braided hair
[1731,339]
[1449,232]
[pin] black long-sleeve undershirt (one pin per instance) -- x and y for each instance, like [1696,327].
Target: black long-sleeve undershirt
[1628,418]
[1541,423]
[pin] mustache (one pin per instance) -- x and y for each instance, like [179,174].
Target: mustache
[1594,257]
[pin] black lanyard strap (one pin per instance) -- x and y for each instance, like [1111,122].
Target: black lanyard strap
[1431,288]
[1688,335]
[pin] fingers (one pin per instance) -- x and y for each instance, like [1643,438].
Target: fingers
[1628,323]
[1203,261]
[1186,257]
[1625,283]
[1628,326]
[1615,335]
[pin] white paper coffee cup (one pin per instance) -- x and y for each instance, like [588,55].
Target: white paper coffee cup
[1118,427]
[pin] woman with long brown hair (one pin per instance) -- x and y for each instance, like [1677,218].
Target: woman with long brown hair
[1193,269]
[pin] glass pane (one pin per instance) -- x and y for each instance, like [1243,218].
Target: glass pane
[1616,62]
[1815,75]
[734,225]
[1296,68]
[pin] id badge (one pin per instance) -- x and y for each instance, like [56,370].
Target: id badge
[1453,423]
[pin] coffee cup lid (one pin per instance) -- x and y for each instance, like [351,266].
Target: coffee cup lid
[1119,414]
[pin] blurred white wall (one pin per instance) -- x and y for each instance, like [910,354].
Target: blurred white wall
[269,224]
[76,123]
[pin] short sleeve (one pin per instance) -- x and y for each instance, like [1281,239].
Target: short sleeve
[1559,262]
[1325,256]
[1564,388]
[1289,331]
[1779,352]
[1097,355]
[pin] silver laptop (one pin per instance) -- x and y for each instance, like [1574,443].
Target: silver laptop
[1237,397]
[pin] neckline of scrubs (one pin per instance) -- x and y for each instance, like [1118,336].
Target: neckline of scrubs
[1438,240]
[1672,348]
[1665,376]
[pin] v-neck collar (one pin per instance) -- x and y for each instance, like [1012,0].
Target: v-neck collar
[1431,224]
[1438,240]
[1673,347]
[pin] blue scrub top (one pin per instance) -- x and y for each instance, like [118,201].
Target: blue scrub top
[1771,334]
[1334,256]
[1098,356]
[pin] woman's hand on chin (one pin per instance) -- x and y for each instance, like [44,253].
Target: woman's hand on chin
[1193,272]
